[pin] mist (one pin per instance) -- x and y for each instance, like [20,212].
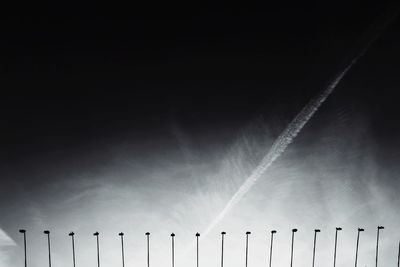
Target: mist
[150,119]
[330,176]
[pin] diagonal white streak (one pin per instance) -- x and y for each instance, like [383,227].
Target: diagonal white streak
[297,124]
[279,146]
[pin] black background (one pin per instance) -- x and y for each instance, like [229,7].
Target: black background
[72,74]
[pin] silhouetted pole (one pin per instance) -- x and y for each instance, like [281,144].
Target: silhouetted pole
[23,231]
[122,248]
[315,243]
[47,232]
[358,241]
[377,244]
[72,234]
[398,257]
[222,248]
[291,251]
[334,253]
[270,250]
[173,249]
[197,249]
[148,248]
[98,248]
[247,247]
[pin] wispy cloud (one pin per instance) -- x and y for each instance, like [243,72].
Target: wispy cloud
[5,244]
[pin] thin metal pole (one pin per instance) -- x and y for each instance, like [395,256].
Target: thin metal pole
[197,249]
[47,232]
[222,248]
[270,250]
[358,241]
[72,234]
[48,241]
[73,249]
[291,251]
[26,261]
[398,257]
[334,253]
[247,247]
[315,243]
[358,238]
[122,248]
[98,248]
[148,249]
[377,244]
[98,251]
[23,231]
[173,249]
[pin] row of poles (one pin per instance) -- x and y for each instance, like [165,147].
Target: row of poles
[273,232]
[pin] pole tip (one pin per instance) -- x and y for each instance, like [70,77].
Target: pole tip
[47,232]
[96,234]
[361,229]
[339,228]
[294,230]
[22,230]
[121,234]
[172,234]
[317,230]
[223,233]
[273,232]
[381,227]
[248,232]
[71,234]
[147,233]
[197,234]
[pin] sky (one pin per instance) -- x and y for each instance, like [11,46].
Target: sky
[149,118]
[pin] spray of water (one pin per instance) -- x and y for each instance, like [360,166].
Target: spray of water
[297,124]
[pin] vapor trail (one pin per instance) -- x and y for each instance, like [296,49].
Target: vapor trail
[297,124]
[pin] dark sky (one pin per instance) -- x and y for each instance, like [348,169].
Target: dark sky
[73,75]
[112,114]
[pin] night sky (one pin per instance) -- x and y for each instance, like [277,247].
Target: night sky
[69,75]
[100,98]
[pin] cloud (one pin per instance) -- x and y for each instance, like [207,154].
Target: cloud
[5,244]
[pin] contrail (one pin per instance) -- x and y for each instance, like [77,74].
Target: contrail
[297,124]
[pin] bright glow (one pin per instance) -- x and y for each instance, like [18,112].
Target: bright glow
[293,129]
[328,178]
[328,181]
[6,247]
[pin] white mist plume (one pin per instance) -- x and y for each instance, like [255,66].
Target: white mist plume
[297,124]
[5,243]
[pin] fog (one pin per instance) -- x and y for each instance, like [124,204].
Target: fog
[331,175]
